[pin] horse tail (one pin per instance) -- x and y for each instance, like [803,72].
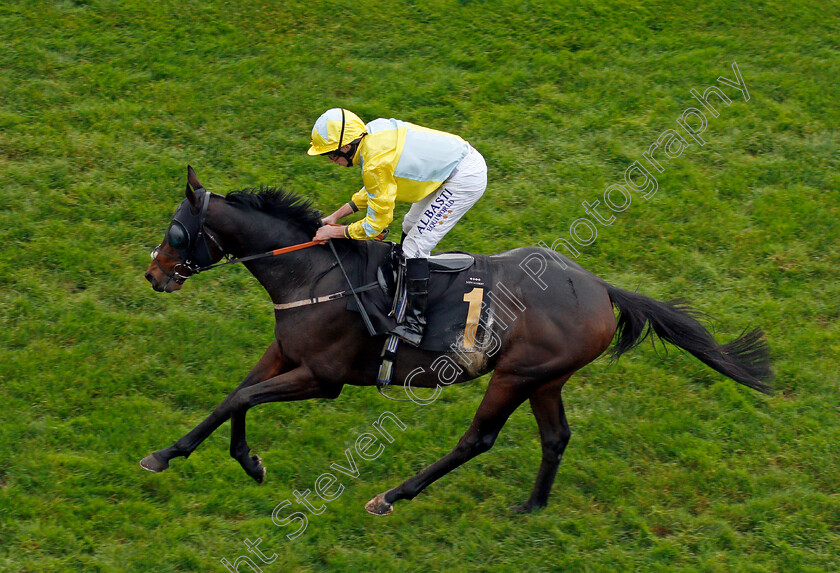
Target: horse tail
[745,359]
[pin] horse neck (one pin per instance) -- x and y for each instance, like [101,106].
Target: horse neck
[245,233]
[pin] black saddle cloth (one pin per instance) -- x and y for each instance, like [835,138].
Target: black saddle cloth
[447,311]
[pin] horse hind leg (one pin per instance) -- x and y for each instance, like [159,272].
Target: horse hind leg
[504,394]
[547,406]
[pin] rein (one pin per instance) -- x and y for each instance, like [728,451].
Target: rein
[273,253]
[194,270]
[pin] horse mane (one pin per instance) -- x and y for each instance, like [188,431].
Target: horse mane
[280,204]
[290,208]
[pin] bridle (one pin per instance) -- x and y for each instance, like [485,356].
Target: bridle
[173,276]
[195,257]
[189,265]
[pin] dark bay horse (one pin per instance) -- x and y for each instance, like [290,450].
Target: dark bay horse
[566,320]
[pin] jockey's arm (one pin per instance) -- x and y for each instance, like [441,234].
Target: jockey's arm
[340,213]
[378,196]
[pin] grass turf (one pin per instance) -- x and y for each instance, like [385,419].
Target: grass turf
[670,466]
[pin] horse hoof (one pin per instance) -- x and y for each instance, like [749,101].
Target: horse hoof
[378,506]
[524,508]
[153,464]
[259,473]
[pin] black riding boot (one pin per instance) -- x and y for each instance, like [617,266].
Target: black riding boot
[417,286]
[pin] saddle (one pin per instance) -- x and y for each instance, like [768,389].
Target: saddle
[457,282]
[448,262]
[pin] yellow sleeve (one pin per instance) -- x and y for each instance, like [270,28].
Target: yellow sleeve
[359,198]
[380,194]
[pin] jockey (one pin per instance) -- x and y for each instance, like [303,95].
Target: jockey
[440,173]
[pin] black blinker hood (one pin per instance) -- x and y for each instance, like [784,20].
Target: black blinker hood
[195,252]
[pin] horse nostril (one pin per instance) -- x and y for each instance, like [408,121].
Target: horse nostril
[149,277]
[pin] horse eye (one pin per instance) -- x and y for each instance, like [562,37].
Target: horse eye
[177,236]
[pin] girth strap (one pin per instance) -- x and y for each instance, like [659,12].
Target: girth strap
[325,298]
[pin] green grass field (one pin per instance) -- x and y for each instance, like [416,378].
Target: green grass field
[671,467]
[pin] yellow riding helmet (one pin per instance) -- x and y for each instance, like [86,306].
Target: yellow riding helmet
[335,128]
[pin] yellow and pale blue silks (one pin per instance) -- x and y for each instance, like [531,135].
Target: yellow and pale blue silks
[400,162]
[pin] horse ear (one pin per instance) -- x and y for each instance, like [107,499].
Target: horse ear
[192,178]
[191,196]
[193,184]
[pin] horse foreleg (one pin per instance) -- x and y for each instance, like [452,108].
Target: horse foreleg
[547,405]
[503,396]
[297,384]
[239,448]
[269,365]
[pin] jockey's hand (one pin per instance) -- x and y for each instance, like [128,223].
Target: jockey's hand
[329,232]
[329,220]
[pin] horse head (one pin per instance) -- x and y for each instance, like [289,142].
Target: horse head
[188,245]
